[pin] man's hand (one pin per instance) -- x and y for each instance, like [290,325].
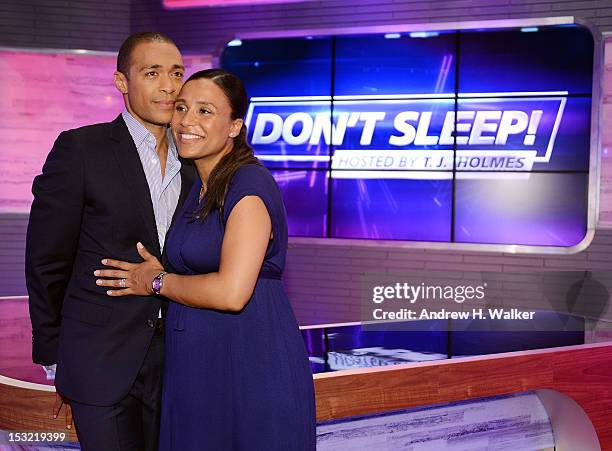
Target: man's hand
[59,402]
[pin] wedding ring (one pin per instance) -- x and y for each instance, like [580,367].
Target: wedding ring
[122,283]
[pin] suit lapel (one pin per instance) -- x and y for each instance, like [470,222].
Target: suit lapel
[134,177]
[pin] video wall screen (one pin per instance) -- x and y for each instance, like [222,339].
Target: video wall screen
[456,136]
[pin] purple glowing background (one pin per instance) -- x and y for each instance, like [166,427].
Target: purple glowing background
[403,65]
[401,209]
[305,196]
[533,209]
[176,4]
[553,59]
[50,93]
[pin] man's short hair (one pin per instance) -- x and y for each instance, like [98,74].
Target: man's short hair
[128,46]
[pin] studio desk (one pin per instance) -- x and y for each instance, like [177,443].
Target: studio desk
[573,384]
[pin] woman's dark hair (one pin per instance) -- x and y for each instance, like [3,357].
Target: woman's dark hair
[241,154]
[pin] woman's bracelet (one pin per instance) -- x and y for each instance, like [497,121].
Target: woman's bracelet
[158,282]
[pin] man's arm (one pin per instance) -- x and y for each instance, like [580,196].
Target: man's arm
[51,243]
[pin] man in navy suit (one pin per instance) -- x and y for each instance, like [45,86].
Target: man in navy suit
[104,188]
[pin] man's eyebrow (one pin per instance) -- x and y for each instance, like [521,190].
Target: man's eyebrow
[159,66]
[152,66]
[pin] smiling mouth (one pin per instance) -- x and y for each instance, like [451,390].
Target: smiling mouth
[188,136]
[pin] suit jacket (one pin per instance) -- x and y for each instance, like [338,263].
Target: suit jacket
[91,201]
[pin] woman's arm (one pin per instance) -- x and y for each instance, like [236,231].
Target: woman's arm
[247,234]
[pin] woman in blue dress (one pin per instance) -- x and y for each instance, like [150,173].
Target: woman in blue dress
[236,375]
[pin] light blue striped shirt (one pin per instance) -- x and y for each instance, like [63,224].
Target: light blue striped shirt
[164,190]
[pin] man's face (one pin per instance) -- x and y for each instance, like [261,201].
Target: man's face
[154,80]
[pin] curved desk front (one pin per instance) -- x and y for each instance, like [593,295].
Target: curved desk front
[572,383]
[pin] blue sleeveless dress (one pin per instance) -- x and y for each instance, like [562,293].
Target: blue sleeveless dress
[235,381]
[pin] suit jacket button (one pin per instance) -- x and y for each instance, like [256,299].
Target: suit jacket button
[150,323]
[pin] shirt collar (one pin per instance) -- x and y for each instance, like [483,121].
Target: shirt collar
[140,133]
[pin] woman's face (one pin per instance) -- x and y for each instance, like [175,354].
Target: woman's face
[202,123]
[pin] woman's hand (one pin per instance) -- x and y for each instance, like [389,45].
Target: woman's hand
[130,278]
